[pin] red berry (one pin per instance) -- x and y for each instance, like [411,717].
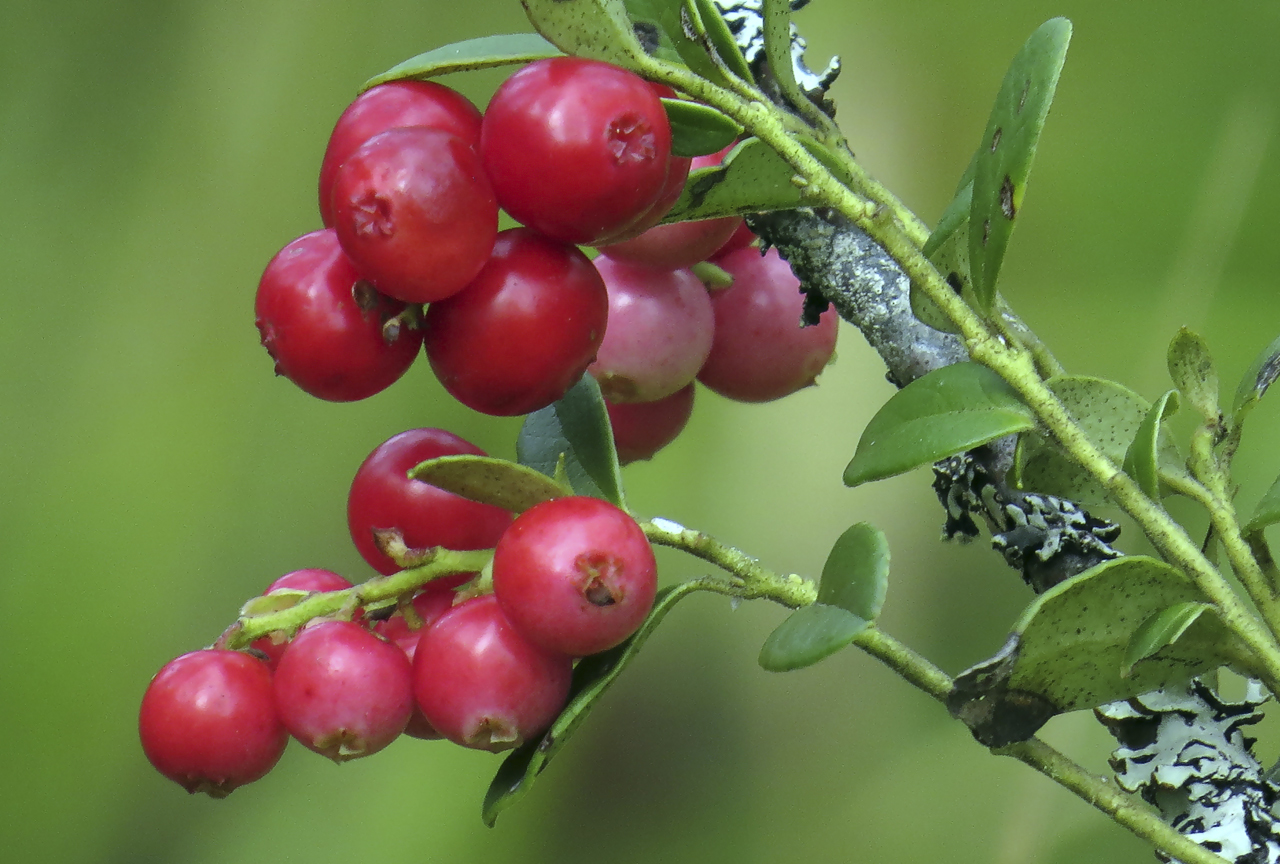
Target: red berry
[326,329]
[415,212]
[208,721]
[388,106]
[482,684]
[659,332]
[429,605]
[577,149]
[641,429]
[524,331]
[383,498]
[760,351]
[298,580]
[342,691]
[741,239]
[575,575]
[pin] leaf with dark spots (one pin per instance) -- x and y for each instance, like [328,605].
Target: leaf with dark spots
[1006,198]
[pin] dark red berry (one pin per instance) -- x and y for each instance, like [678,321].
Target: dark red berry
[383,498]
[208,721]
[575,575]
[327,330]
[641,429]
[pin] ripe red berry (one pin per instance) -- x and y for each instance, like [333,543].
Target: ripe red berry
[299,580]
[388,106]
[575,575]
[208,721]
[482,684]
[524,331]
[576,149]
[760,351]
[659,332]
[741,239]
[415,213]
[430,603]
[384,498]
[641,429]
[342,691]
[327,330]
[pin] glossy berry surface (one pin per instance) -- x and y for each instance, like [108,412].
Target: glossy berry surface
[342,691]
[659,331]
[382,497]
[576,149]
[415,213]
[208,721]
[575,575]
[428,605]
[524,331]
[327,330]
[298,580]
[481,684]
[760,350]
[389,106]
[641,429]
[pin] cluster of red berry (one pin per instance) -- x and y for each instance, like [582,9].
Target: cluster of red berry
[572,576]
[579,152]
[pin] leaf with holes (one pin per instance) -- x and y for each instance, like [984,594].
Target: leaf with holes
[697,129]
[572,439]
[486,52]
[489,480]
[1008,149]
[1141,460]
[1192,371]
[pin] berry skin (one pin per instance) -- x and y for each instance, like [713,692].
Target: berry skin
[388,106]
[761,352]
[430,603]
[575,575]
[576,149]
[208,721]
[641,429]
[741,239]
[415,213]
[299,580]
[660,331]
[327,330]
[342,691]
[524,331]
[382,497]
[482,684]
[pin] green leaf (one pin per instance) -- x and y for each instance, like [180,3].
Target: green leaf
[722,39]
[1141,460]
[752,178]
[697,129]
[856,575]
[1009,148]
[591,678]
[596,29]
[659,24]
[576,428]
[1257,380]
[485,52]
[945,412]
[1161,629]
[1192,371]
[809,634]
[1267,512]
[490,481]
[949,253]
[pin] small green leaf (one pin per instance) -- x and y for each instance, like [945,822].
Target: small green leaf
[752,178]
[945,412]
[856,575]
[1192,371]
[1267,512]
[659,24]
[596,29]
[485,52]
[697,129]
[575,429]
[1141,459]
[809,634]
[1257,380]
[950,256]
[490,481]
[1161,629]
[1009,148]
[722,39]
[591,678]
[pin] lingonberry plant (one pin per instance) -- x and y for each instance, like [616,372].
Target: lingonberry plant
[517,627]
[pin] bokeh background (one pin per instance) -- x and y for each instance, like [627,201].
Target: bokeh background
[154,154]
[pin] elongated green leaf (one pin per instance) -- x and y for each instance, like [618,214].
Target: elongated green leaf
[597,29]
[945,412]
[856,575]
[488,480]
[1161,629]
[1192,371]
[486,52]
[809,634]
[574,433]
[1259,377]
[1009,148]
[591,678]
[1141,460]
[697,130]
[660,24]
[722,39]
[751,179]
[950,255]
[1267,512]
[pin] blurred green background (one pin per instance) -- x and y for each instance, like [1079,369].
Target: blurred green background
[154,155]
